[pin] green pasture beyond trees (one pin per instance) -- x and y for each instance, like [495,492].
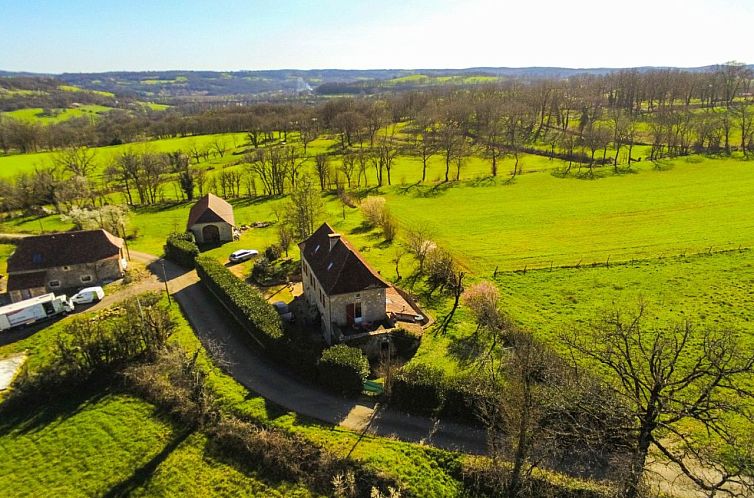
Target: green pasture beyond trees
[36,114]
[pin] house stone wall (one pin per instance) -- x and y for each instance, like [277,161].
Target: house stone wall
[226,231]
[332,309]
[372,306]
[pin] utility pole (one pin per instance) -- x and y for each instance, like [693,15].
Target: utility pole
[165,278]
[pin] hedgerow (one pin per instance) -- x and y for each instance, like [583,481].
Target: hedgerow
[246,303]
[181,249]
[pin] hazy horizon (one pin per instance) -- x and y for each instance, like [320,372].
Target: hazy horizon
[84,36]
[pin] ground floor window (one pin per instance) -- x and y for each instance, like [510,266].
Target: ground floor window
[53,284]
[86,278]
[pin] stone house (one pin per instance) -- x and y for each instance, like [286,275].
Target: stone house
[211,221]
[345,290]
[62,262]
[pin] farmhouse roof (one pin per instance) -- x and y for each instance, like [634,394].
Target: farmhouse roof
[210,209]
[63,249]
[339,268]
[31,280]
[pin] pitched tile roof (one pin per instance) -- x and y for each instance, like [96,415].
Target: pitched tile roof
[62,249]
[31,280]
[210,209]
[340,270]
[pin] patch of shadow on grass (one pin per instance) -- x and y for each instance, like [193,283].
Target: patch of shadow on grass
[405,190]
[250,201]
[661,165]
[363,228]
[144,473]
[484,181]
[435,190]
[22,416]
[467,350]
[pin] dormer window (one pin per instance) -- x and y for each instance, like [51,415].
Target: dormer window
[37,258]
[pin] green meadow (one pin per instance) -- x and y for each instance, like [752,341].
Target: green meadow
[102,440]
[37,115]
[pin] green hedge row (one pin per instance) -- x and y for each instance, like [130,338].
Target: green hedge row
[343,368]
[247,304]
[258,317]
[181,249]
[425,390]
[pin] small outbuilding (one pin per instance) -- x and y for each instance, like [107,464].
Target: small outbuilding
[211,221]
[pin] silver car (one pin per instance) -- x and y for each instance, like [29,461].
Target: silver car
[242,255]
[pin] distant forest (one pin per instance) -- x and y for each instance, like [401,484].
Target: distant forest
[166,85]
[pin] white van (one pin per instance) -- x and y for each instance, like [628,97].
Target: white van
[88,295]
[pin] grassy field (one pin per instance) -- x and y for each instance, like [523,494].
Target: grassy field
[12,165]
[36,114]
[101,440]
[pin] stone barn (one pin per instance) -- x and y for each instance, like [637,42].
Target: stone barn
[211,220]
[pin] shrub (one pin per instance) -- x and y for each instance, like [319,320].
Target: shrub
[418,389]
[343,369]
[273,252]
[181,249]
[461,395]
[389,227]
[373,209]
[246,303]
[262,270]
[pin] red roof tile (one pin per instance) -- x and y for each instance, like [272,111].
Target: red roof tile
[340,270]
[62,249]
[210,209]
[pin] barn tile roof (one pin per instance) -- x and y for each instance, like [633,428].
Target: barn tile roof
[340,270]
[31,280]
[62,249]
[210,209]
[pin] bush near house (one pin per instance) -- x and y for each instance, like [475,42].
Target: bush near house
[425,390]
[343,369]
[418,389]
[181,249]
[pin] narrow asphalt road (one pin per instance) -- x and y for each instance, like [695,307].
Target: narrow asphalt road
[249,367]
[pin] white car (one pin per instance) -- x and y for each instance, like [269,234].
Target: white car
[242,255]
[88,295]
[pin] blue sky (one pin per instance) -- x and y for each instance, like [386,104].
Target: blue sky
[87,36]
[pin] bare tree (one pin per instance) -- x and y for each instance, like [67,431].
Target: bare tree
[676,383]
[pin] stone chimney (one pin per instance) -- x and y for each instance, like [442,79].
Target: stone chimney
[334,238]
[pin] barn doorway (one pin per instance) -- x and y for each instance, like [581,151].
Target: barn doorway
[211,234]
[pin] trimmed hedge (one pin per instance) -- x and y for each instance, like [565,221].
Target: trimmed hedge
[419,389]
[343,369]
[425,390]
[257,316]
[247,304]
[181,249]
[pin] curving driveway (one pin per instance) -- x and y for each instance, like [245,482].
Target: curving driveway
[214,326]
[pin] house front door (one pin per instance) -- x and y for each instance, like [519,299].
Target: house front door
[211,234]
[350,313]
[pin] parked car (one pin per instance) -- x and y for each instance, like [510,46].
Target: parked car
[88,295]
[285,313]
[242,255]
